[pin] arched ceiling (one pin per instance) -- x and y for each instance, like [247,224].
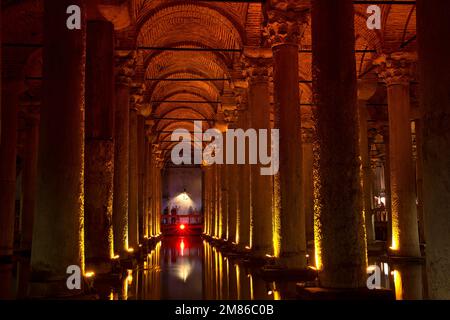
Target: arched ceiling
[189,24]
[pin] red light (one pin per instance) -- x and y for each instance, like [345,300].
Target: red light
[182,226]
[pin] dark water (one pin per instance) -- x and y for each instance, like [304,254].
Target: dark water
[190,268]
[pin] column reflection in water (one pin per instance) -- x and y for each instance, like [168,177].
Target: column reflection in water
[190,268]
[406,279]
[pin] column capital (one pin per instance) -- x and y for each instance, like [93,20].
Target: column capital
[221,123]
[286,21]
[257,64]
[137,99]
[241,99]
[397,67]
[125,67]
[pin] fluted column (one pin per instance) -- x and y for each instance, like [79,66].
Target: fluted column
[396,70]
[121,152]
[59,220]
[257,63]
[339,223]
[29,177]
[12,86]
[285,25]
[99,153]
[433,23]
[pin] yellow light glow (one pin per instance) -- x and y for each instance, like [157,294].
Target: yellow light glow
[184,271]
[115,257]
[247,247]
[130,250]
[276,295]
[398,285]
[269,293]
[269,256]
[89,274]
[276,218]
[395,246]
[130,277]
[251,287]
[182,247]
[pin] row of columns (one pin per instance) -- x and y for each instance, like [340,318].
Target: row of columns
[90,171]
[342,220]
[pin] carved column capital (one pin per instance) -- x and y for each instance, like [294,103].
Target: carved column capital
[286,23]
[257,64]
[125,67]
[397,68]
[137,96]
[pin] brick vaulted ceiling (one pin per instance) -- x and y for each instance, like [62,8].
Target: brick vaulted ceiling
[199,24]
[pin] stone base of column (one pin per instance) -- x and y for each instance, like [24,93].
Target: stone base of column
[316,293]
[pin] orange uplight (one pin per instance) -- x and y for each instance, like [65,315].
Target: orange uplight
[182,227]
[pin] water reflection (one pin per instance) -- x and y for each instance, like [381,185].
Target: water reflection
[190,268]
[405,279]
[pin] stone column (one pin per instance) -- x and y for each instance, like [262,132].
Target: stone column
[308,186]
[151,190]
[396,70]
[121,150]
[29,177]
[366,89]
[433,23]
[257,64]
[212,201]
[159,194]
[133,170]
[233,196]
[147,180]
[339,223]
[244,189]
[58,235]
[12,86]
[216,186]
[223,189]
[99,154]
[141,174]
[285,26]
